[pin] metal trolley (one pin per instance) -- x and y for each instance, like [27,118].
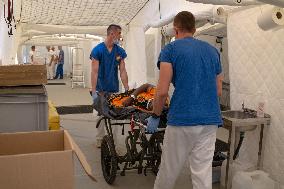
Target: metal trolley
[143,150]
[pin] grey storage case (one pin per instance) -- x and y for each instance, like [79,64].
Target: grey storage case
[23,108]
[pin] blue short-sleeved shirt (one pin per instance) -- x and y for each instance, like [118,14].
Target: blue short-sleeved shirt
[195,66]
[108,66]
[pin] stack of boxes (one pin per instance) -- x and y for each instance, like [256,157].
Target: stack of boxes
[32,157]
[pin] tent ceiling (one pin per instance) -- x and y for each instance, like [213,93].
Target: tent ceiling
[80,12]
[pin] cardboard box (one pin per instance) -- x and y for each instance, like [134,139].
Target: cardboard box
[39,160]
[25,74]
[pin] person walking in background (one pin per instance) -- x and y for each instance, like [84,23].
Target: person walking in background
[194,68]
[35,56]
[107,57]
[48,62]
[59,69]
[54,61]
[31,54]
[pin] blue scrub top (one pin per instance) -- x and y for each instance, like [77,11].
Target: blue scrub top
[195,66]
[108,66]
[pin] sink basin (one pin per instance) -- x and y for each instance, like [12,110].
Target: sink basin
[243,121]
[237,114]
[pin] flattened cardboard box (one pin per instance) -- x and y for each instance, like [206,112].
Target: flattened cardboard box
[14,75]
[42,159]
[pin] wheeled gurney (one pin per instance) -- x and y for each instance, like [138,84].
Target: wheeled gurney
[142,153]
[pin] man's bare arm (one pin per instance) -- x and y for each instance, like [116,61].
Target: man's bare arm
[165,78]
[94,74]
[141,89]
[123,75]
[219,81]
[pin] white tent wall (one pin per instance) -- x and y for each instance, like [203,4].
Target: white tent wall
[153,48]
[257,65]
[201,11]
[136,62]
[137,58]
[87,47]
[139,63]
[6,42]
[136,55]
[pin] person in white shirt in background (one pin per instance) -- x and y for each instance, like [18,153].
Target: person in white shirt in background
[48,62]
[35,56]
[54,61]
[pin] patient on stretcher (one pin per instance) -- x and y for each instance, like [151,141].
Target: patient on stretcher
[140,98]
[123,105]
[120,106]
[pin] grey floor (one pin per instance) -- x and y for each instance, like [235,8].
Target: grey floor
[82,129]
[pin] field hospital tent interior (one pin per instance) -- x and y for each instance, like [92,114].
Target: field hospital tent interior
[249,34]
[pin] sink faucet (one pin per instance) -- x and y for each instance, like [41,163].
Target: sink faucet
[243,106]
[247,110]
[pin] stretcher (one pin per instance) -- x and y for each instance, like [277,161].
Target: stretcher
[142,153]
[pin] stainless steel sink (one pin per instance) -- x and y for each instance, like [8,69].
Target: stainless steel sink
[238,114]
[243,121]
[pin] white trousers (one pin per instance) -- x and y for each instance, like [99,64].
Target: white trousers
[193,143]
[50,70]
[101,129]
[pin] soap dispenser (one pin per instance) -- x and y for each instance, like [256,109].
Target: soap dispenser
[260,105]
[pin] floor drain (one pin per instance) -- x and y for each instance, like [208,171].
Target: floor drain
[78,109]
[56,83]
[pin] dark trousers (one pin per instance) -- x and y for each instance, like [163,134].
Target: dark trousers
[59,71]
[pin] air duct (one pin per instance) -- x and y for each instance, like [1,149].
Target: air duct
[161,22]
[214,30]
[168,30]
[214,14]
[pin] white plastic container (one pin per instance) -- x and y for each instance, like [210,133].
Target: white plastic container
[234,168]
[252,180]
[260,105]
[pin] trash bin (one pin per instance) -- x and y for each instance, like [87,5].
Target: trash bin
[23,108]
[53,117]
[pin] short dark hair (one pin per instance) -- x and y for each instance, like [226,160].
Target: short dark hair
[113,27]
[33,47]
[184,21]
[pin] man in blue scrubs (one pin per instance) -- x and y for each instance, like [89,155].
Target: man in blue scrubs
[107,58]
[194,68]
[59,69]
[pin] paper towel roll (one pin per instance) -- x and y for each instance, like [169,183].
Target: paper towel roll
[271,18]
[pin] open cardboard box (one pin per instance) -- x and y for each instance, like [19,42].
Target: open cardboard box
[41,159]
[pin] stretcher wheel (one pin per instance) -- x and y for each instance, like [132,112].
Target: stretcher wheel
[108,159]
[155,148]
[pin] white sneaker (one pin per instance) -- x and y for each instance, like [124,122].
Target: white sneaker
[99,143]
